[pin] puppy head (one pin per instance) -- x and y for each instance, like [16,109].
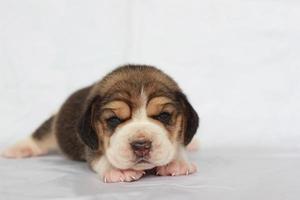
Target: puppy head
[138,117]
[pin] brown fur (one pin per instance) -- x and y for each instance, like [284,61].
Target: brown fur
[44,130]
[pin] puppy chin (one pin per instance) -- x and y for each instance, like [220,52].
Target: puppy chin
[159,158]
[143,166]
[126,164]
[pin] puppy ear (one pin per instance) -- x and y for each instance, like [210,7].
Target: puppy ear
[191,119]
[86,127]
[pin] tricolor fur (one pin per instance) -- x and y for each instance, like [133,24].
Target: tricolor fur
[135,118]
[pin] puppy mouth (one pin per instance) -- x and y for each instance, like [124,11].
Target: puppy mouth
[142,160]
[142,164]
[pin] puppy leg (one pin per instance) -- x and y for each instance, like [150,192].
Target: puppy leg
[110,174]
[40,142]
[179,166]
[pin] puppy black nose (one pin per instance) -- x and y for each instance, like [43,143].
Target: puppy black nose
[141,147]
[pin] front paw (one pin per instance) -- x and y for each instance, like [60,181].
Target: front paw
[177,168]
[118,175]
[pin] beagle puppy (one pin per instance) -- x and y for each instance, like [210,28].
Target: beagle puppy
[135,119]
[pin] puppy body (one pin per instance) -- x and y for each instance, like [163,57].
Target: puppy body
[135,118]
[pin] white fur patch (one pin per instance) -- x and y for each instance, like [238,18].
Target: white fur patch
[101,166]
[119,152]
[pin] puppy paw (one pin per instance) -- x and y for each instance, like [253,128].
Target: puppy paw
[22,149]
[117,175]
[177,168]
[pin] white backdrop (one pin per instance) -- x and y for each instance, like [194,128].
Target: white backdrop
[238,61]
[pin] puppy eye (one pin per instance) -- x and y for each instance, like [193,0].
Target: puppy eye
[163,117]
[113,122]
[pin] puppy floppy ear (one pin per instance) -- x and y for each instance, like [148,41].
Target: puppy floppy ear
[191,119]
[86,128]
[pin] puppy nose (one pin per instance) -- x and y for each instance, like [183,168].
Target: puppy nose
[141,148]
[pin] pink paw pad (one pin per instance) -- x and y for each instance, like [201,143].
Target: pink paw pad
[177,168]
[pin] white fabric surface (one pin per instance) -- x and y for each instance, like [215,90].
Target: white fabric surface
[238,61]
[223,174]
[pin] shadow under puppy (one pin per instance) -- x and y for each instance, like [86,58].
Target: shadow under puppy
[136,118]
